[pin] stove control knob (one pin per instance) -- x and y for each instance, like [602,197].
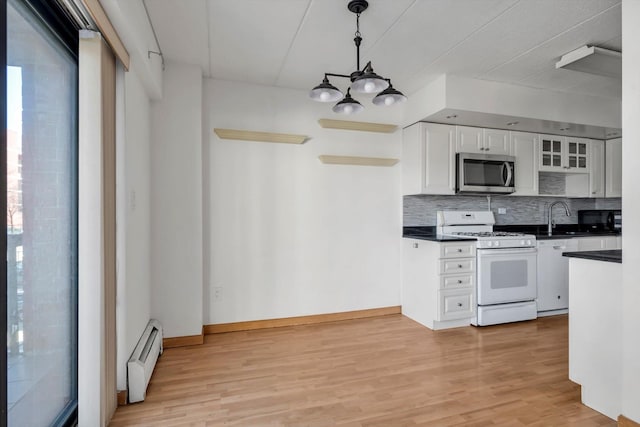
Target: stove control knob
[497,243]
[528,242]
[522,242]
[489,244]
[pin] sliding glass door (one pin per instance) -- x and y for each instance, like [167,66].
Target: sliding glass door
[40,169]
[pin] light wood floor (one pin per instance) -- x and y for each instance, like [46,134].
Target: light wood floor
[387,371]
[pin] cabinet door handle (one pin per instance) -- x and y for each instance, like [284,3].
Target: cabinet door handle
[415,245]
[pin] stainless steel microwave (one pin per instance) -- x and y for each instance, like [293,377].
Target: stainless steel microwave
[485,173]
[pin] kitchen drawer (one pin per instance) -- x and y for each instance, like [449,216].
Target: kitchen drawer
[457,250]
[462,265]
[456,304]
[457,281]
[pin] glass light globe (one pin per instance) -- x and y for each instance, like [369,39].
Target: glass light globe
[325,96]
[369,87]
[389,100]
[348,109]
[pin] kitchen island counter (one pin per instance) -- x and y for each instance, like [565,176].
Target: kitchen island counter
[595,328]
[611,255]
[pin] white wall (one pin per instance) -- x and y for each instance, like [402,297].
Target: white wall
[134,282]
[631,205]
[426,101]
[466,94]
[130,21]
[521,101]
[176,202]
[288,235]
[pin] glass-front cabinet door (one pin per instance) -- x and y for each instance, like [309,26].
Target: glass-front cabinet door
[552,153]
[564,154]
[577,149]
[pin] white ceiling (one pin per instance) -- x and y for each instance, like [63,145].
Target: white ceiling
[292,43]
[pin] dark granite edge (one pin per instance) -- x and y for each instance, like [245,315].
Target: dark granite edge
[562,231]
[429,233]
[611,255]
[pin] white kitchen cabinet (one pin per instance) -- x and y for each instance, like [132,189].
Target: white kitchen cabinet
[525,147]
[613,168]
[597,169]
[553,274]
[438,282]
[496,141]
[564,154]
[428,159]
[597,243]
[484,141]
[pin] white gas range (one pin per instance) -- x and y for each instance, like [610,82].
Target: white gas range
[506,266]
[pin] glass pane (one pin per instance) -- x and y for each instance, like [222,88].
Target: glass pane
[572,148]
[485,172]
[582,148]
[582,162]
[572,161]
[546,160]
[509,274]
[546,145]
[41,223]
[557,146]
[557,160]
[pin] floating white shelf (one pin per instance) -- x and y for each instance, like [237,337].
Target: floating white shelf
[357,161]
[359,126]
[248,135]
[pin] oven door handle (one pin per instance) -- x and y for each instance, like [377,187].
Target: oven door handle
[501,252]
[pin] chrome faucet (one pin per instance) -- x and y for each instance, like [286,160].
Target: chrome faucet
[550,224]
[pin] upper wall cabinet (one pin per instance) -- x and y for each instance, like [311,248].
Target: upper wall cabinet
[428,156]
[525,147]
[484,141]
[564,154]
[613,161]
[597,169]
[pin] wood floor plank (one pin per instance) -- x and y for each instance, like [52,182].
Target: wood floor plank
[386,371]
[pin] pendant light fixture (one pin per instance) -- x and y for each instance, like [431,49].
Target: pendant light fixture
[363,80]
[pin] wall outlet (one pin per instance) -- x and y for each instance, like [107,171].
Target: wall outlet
[217,293]
[502,211]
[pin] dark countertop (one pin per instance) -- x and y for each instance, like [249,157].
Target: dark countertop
[561,231]
[429,233]
[612,255]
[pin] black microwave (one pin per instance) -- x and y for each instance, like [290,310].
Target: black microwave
[485,173]
[600,220]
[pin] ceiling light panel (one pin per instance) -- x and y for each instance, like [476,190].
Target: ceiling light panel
[593,60]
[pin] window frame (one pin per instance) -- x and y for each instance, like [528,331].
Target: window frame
[58,24]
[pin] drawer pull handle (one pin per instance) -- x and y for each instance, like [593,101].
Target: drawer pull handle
[459,250]
[459,281]
[459,304]
[459,265]
[415,245]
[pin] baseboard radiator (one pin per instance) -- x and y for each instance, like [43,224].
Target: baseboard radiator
[143,360]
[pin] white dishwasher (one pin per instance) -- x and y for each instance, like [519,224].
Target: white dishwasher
[553,275]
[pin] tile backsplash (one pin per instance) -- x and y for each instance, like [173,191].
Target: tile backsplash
[421,209]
